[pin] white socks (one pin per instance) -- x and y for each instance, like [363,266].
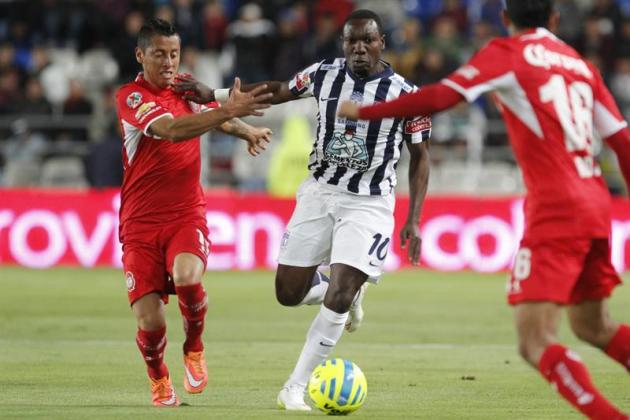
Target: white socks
[321,338]
[316,293]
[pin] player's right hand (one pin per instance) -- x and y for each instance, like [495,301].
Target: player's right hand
[410,239]
[193,90]
[242,104]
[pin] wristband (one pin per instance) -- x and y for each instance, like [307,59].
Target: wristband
[221,95]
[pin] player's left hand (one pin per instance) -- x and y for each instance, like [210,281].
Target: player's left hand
[410,239]
[257,139]
[192,89]
[349,110]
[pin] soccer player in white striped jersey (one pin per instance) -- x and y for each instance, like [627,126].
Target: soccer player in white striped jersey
[344,211]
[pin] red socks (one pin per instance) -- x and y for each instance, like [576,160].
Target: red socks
[193,303]
[619,346]
[566,372]
[151,345]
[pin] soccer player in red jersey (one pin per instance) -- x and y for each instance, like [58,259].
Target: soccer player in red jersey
[162,213]
[551,100]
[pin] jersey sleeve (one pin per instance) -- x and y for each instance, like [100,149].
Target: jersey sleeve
[607,119]
[489,69]
[138,108]
[301,84]
[418,128]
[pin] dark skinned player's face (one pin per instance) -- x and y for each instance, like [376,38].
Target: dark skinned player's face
[362,46]
[160,60]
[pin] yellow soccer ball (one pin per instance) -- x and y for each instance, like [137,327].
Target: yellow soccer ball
[337,387]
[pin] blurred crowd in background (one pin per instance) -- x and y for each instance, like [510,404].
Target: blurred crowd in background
[61,62]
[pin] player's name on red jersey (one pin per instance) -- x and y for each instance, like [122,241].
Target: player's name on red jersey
[538,55]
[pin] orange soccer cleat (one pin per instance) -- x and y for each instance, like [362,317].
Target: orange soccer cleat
[196,372]
[163,392]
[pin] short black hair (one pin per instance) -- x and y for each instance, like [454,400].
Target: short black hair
[365,14]
[529,13]
[154,27]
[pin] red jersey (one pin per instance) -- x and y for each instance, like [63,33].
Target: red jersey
[161,178]
[551,101]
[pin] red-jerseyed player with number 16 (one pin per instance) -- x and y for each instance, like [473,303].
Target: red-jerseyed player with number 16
[551,101]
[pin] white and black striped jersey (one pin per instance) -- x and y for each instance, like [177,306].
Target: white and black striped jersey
[357,156]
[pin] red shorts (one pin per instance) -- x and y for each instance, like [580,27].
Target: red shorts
[148,256]
[566,271]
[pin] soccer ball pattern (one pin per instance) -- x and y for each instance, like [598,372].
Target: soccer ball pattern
[337,387]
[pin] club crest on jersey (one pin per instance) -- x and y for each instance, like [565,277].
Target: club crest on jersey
[302,81]
[356,97]
[134,100]
[418,125]
[347,150]
[130,280]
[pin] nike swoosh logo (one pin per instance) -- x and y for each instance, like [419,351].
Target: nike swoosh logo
[170,401]
[321,343]
[374,265]
[328,99]
[191,379]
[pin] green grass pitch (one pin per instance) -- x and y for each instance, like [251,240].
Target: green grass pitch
[433,346]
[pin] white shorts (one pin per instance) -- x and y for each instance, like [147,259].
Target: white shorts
[330,226]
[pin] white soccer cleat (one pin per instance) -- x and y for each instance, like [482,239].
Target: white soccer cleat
[355,316]
[291,398]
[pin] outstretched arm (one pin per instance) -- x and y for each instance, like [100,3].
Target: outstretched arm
[239,104]
[418,182]
[426,101]
[257,138]
[195,91]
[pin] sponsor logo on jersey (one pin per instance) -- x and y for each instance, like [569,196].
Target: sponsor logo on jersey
[468,72]
[539,56]
[131,281]
[144,110]
[302,81]
[134,100]
[418,125]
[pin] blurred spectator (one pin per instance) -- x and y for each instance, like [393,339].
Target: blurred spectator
[337,9]
[9,89]
[392,12]
[33,101]
[289,57]
[595,41]
[622,44]
[251,38]
[128,67]
[405,48]
[569,14]
[76,104]
[325,43]
[39,61]
[289,163]
[620,85]
[608,14]
[214,25]
[187,23]
[446,38]
[425,10]
[456,11]
[433,67]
